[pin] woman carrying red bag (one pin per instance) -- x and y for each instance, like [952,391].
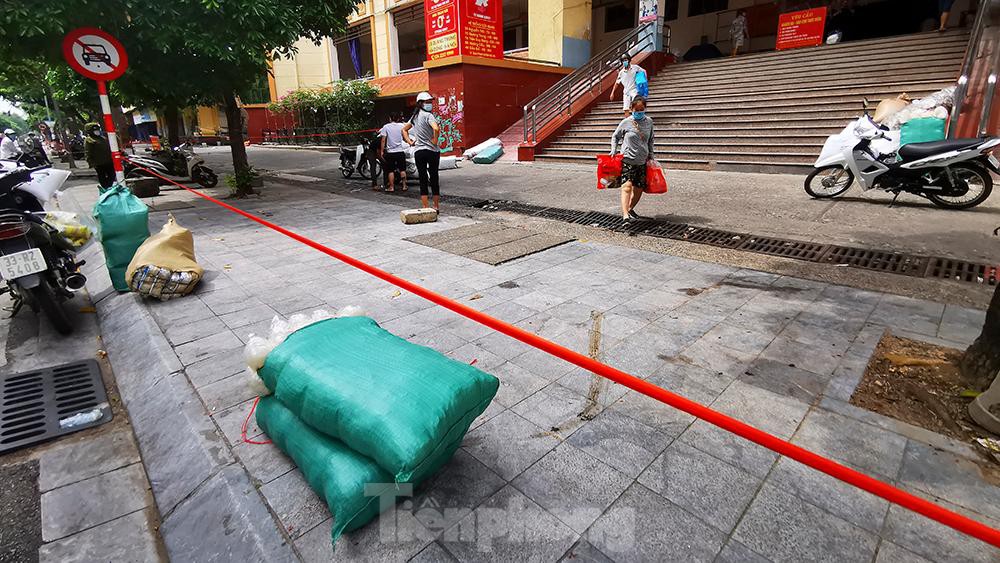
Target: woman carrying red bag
[635,136]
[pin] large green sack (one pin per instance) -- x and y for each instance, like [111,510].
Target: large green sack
[922,130]
[335,472]
[123,220]
[403,405]
[489,155]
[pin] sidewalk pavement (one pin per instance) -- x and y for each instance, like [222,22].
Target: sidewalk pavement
[632,480]
[85,495]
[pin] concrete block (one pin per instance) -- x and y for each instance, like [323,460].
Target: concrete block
[417,216]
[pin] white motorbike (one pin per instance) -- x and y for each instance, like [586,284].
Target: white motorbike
[180,162]
[953,174]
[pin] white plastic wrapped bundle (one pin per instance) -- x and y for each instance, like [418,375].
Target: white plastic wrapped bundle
[493,141]
[936,105]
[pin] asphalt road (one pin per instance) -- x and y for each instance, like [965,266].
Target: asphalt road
[761,204]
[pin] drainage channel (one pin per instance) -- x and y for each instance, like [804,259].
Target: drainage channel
[836,255]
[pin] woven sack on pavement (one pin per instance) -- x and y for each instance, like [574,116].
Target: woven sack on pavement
[123,221]
[164,266]
[405,406]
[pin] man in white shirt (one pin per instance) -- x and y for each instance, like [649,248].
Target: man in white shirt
[393,152]
[626,77]
[8,146]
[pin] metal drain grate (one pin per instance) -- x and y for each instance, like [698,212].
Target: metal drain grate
[33,403]
[460,200]
[663,229]
[566,215]
[877,260]
[599,219]
[788,248]
[945,268]
[713,237]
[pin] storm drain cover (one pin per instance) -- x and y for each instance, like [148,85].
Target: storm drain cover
[490,243]
[46,403]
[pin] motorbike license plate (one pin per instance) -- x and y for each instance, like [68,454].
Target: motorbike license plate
[20,264]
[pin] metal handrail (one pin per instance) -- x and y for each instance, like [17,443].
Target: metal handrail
[971,53]
[558,99]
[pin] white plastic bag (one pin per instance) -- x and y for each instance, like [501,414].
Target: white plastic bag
[493,141]
[258,347]
[78,229]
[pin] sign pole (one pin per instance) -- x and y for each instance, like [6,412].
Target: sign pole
[109,128]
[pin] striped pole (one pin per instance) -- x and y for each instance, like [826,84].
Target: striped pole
[109,127]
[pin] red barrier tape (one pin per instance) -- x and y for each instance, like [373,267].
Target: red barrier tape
[846,474]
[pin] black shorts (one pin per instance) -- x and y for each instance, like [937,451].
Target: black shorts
[395,162]
[635,173]
[945,5]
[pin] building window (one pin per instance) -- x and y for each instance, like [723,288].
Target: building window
[515,25]
[354,52]
[410,37]
[619,17]
[671,9]
[699,7]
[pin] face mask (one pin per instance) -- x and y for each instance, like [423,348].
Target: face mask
[625,65]
[427,106]
[638,114]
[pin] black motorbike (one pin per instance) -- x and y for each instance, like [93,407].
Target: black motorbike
[359,158]
[37,262]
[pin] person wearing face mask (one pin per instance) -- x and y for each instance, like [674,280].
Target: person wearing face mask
[626,77]
[97,152]
[421,132]
[635,137]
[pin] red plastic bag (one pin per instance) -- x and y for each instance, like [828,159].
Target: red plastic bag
[609,169]
[656,182]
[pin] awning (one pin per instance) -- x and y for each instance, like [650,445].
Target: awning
[402,84]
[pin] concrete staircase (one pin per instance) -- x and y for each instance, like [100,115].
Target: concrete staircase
[769,112]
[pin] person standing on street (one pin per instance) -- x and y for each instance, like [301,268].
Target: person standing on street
[738,32]
[8,146]
[626,77]
[97,152]
[425,129]
[635,136]
[944,8]
[393,155]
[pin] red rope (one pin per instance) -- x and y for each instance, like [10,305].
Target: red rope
[243,431]
[313,134]
[846,474]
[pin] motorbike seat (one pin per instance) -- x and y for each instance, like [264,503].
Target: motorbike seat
[916,151]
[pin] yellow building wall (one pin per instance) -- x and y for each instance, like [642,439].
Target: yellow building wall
[559,31]
[381,40]
[208,120]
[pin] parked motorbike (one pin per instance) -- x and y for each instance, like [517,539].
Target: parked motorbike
[355,158]
[953,174]
[179,161]
[37,263]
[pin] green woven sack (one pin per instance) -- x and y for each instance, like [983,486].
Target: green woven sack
[336,473]
[405,406]
[124,225]
[922,130]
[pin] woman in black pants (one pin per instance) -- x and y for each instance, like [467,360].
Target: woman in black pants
[424,128]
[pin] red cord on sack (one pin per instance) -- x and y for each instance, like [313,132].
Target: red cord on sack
[247,423]
[839,471]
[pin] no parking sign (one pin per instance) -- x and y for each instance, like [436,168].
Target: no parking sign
[96,54]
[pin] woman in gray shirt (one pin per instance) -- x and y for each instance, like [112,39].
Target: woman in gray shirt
[635,136]
[421,131]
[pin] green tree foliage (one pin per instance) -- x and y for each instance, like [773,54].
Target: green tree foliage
[344,106]
[180,51]
[15,122]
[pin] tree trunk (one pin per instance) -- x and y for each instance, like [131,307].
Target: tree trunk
[241,166]
[173,118]
[981,361]
[60,128]
[122,123]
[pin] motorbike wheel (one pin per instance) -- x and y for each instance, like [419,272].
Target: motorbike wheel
[363,169]
[828,181]
[979,182]
[46,300]
[346,172]
[205,177]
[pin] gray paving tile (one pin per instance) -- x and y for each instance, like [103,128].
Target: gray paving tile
[848,440]
[621,442]
[508,444]
[643,526]
[478,356]
[128,538]
[665,419]
[889,552]
[502,345]
[705,486]
[543,364]
[179,334]
[491,411]
[935,541]
[214,368]
[554,408]
[204,348]
[652,304]
[85,504]
[601,390]
[510,312]
[572,486]
[836,497]
[949,476]
[75,461]
[735,552]
[228,392]
[786,380]
[179,311]
[298,508]
[821,361]
[739,338]
[782,527]
[717,358]
[914,315]
[961,324]
[264,462]
[433,553]
[541,300]
[248,316]
[394,536]
[230,421]
[454,492]
[584,552]
[509,527]
[516,383]
[694,382]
